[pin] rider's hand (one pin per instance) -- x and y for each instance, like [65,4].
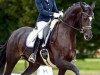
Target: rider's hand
[56,15]
[61,13]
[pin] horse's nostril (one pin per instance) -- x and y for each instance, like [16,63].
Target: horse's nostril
[86,36]
[89,38]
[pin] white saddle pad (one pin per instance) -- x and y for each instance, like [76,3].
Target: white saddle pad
[31,38]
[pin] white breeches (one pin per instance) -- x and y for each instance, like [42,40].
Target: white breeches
[39,32]
[41,25]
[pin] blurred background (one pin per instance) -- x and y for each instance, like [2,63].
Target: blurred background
[18,13]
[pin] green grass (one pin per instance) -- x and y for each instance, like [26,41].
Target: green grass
[87,65]
[20,66]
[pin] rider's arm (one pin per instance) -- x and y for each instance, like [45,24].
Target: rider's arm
[41,10]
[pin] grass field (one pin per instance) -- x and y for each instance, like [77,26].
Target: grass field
[89,64]
[86,67]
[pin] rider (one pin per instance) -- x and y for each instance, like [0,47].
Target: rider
[47,10]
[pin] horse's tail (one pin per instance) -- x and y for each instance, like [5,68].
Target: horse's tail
[2,57]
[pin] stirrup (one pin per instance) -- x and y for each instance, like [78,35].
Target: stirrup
[44,53]
[32,58]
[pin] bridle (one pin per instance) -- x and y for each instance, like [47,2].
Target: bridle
[82,28]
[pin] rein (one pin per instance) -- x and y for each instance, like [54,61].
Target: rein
[69,25]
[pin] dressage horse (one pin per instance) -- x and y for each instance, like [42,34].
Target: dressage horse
[61,45]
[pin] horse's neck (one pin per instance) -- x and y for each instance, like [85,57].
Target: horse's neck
[70,24]
[72,17]
[67,31]
[65,34]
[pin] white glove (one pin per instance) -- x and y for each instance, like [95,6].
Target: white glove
[61,13]
[56,15]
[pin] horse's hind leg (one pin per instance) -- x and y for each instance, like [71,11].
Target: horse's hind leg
[11,60]
[31,68]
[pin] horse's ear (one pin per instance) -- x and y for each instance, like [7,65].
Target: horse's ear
[93,5]
[82,6]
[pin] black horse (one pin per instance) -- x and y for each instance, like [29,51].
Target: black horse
[61,46]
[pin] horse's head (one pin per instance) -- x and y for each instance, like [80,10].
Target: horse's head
[79,16]
[86,19]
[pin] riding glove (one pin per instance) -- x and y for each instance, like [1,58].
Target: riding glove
[56,15]
[61,13]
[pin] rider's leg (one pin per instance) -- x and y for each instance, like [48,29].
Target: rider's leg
[46,40]
[40,27]
[51,28]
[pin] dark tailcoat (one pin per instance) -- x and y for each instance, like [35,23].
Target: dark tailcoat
[46,9]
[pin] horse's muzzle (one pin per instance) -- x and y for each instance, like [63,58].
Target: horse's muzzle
[88,35]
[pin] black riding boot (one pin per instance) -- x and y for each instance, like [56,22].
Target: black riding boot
[32,57]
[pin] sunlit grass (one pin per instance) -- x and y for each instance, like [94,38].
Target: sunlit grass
[20,66]
[89,64]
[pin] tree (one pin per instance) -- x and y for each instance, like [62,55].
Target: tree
[15,14]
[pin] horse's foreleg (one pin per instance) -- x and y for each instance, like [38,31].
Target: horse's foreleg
[61,71]
[64,65]
[31,68]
